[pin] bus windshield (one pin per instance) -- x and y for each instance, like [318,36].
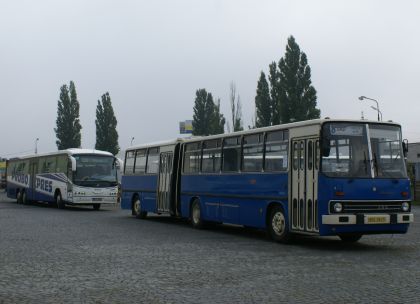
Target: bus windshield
[358,150]
[95,171]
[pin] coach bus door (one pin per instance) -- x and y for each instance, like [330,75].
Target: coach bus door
[304,179]
[164,182]
[33,169]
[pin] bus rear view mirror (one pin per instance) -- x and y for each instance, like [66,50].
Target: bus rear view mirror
[73,163]
[405,147]
[325,147]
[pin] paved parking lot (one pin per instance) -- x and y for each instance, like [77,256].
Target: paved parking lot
[79,255]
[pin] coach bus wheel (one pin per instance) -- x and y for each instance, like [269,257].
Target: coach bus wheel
[59,201]
[25,200]
[350,238]
[96,206]
[18,197]
[277,226]
[137,209]
[196,220]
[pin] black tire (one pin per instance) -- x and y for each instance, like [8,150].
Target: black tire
[277,225]
[59,201]
[136,209]
[196,218]
[19,197]
[351,237]
[96,206]
[25,200]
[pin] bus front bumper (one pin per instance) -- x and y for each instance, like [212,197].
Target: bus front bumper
[367,219]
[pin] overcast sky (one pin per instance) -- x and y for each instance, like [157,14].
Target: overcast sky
[151,56]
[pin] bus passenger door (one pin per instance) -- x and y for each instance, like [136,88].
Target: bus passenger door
[164,182]
[311,221]
[304,180]
[298,185]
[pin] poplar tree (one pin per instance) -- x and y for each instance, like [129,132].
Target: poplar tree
[106,126]
[68,122]
[263,107]
[297,96]
[236,109]
[207,118]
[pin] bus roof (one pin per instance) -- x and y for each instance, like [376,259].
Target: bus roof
[69,152]
[158,144]
[256,130]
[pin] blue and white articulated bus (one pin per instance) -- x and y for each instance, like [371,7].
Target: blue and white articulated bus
[65,177]
[320,177]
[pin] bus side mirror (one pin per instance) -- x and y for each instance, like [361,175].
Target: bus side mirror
[73,163]
[325,147]
[118,163]
[405,147]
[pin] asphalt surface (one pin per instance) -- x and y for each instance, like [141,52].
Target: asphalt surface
[79,255]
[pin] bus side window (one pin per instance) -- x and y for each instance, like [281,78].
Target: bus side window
[192,156]
[276,147]
[231,154]
[140,164]
[129,162]
[252,153]
[212,156]
[152,161]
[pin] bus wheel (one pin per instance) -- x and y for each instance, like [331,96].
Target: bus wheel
[96,206]
[350,238]
[137,209]
[25,200]
[19,197]
[196,220]
[59,201]
[277,226]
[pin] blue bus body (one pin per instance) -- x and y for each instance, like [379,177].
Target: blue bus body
[320,177]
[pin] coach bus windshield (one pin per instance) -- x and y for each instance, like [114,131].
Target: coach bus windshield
[362,151]
[95,171]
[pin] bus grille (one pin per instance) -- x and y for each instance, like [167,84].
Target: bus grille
[368,207]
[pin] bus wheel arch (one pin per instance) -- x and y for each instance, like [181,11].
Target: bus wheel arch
[136,208]
[277,223]
[59,199]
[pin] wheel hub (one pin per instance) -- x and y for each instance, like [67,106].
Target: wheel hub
[278,223]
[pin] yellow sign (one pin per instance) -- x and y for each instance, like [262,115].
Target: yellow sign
[2,165]
[377,219]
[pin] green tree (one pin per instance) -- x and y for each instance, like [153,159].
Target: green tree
[296,94]
[68,123]
[207,118]
[106,126]
[218,121]
[236,109]
[275,93]
[263,106]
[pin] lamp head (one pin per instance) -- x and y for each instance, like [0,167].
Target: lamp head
[362,97]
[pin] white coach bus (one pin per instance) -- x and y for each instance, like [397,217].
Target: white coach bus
[65,177]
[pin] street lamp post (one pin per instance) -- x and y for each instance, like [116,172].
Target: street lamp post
[377,106]
[36,145]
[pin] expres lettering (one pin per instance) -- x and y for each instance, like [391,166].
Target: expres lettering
[43,184]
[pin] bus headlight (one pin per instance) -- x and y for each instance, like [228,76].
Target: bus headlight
[405,206]
[338,207]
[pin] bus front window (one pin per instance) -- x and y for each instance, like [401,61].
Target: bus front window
[348,152]
[95,171]
[345,151]
[387,153]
